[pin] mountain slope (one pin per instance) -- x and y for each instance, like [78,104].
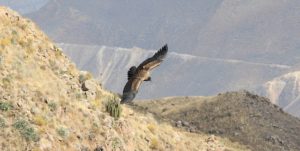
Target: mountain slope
[257,31]
[241,116]
[284,91]
[179,74]
[47,104]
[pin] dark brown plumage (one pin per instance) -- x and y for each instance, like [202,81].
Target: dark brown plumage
[136,75]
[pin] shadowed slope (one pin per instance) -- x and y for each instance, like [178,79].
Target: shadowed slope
[241,116]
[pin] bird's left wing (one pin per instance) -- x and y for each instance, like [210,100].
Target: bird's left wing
[155,60]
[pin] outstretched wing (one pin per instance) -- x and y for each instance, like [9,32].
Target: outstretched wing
[155,60]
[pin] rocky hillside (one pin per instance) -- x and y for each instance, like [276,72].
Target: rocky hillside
[241,116]
[284,91]
[207,76]
[47,104]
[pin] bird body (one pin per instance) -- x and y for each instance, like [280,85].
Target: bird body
[136,75]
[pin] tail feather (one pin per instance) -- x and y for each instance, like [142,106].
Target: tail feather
[127,97]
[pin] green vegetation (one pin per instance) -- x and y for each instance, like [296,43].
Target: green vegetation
[62,132]
[4,106]
[2,123]
[114,108]
[14,32]
[84,77]
[52,106]
[116,143]
[6,82]
[26,130]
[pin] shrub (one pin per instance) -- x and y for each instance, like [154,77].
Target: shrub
[116,143]
[14,32]
[5,42]
[96,103]
[26,130]
[4,106]
[6,82]
[151,128]
[2,123]
[23,26]
[13,41]
[114,108]
[62,132]
[154,143]
[52,106]
[39,120]
[23,43]
[30,50]
[85,76]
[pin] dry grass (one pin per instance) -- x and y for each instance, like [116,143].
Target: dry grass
[96,104]
[151,128]
[39,120]
[154,144]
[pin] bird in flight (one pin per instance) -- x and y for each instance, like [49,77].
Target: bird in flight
[136,75]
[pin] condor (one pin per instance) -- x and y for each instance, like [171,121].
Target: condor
[136,75]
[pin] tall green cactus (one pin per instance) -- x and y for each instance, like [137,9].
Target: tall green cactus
[114,108]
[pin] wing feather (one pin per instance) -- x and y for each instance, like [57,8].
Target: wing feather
[132,85]
[136,83]
[155,60]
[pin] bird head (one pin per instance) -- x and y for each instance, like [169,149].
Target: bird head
[148,79]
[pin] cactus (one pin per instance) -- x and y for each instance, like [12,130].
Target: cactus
[113,107]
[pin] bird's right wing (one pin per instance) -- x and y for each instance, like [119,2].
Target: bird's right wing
[132,85]
[131,72]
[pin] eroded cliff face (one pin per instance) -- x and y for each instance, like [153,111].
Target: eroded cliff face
[284,91]
[179,74]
